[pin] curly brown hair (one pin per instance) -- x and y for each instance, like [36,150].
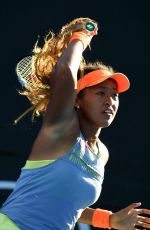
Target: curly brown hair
[44,59]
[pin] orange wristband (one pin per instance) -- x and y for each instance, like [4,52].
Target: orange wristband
[81,37]
[101,218]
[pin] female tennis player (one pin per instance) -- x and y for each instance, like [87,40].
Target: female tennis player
[64,173]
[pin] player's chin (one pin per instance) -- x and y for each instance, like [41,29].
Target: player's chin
[107,123]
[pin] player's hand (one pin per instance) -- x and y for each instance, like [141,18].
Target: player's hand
[130,218]
[88,27]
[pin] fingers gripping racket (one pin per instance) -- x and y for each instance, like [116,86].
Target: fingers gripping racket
[24,68]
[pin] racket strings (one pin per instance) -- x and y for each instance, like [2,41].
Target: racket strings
[26,75]
[24,67]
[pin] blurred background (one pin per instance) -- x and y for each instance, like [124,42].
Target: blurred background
[122,42]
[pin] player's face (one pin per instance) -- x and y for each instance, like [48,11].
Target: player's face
[99,104]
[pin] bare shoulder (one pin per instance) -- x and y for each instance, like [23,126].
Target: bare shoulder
[104,152]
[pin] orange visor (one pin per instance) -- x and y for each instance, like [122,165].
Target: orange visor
[97,76]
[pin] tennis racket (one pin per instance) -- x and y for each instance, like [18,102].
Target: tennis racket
[25,74]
